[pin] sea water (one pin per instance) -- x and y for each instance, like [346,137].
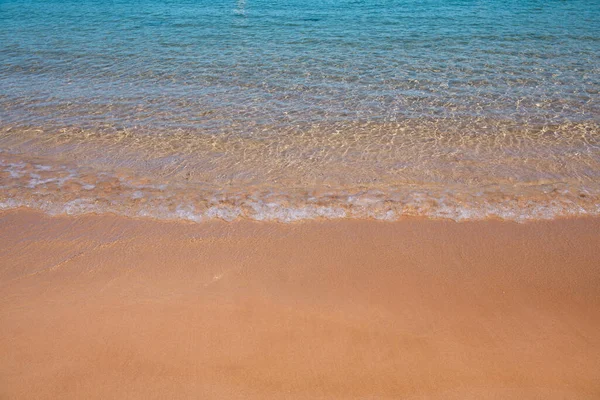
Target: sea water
[299,109]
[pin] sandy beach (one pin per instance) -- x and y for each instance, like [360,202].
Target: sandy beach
[300,200]
[110,307]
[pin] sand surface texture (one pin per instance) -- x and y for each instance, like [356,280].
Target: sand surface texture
[109,307]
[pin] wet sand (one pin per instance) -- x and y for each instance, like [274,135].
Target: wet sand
[109,307]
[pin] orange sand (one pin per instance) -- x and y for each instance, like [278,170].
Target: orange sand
[108,307]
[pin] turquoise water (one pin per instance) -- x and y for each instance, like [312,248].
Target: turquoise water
[299,109]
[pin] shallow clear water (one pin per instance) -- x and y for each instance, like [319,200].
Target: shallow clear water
[301,109]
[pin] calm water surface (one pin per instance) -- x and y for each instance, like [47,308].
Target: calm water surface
[290,110]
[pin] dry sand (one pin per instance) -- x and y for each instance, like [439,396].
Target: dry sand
[108,307]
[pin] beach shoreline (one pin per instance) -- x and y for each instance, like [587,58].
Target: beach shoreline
[106,306]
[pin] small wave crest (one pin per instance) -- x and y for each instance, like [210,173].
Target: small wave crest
[63,189]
